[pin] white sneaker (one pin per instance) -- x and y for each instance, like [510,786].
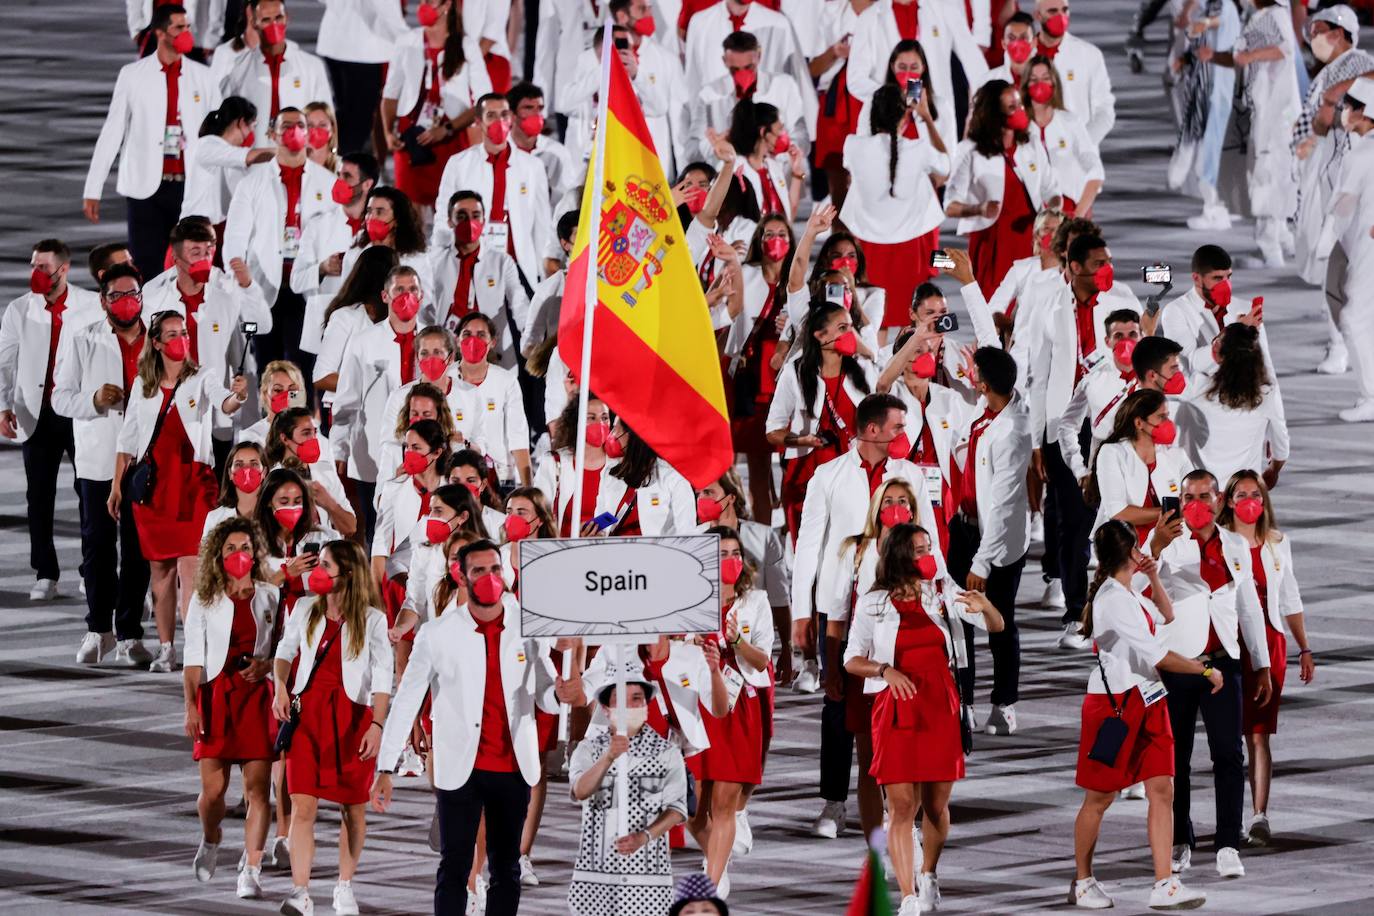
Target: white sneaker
[1272,255]
[527,876]
[1072,639]
[1337,361]
[131,653]
[166,660]
[744,835]
[1259,830]
[1054,595]
[1087,893]
[204,862]
[1001,721]
[1362,412]
[1181,859]
[277,852]
[1212,218]
[43,590]
[831,822]
[345,904]
[1228,863]
[298,903]
[477,897]
[1135,792]
[928,892]
[94,647]
[911,906]
[250,882]
[411,763]
[723,888]
[1170,894]
[809,680]
[1037,527]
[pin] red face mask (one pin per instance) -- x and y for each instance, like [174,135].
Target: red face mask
[288,516]
[467,231]
[517,528]
[433,367]
[239,563]
[1249,509]
[899,447]
[1221,294]
[274,33]
[318,137]
[925,365]
[1019,50]
[40,281]
[176,348]
[1104,277]
[475,489]
[744,79]
[427,15]
[847,344]
[377,230]
[309,450]
[597,434]
[894,515]
[1123,350]
[125,309]
[614,447]
[1175,384]
[1046,240]
[247,479]
[293,138]
[1041,91]
[926,568]
[776,248]
[903,77]
[532,125]
[695,200]
[406,306]
[731,568]
[184,42]
[1018,119]
[455,572]
[1057,24]
[414,463]
[1198,514]
[319,582]
[782,144]
[846,264]
[488,589]
[248,139]
[645,26]
[341,192]
[474,349]
[1164,433]
[497,132]
[199,270]
[436,529]
[708,509]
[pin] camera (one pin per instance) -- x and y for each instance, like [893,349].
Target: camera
[250,328]
[946,323]
[622,44]
[835,292]
[940,260]
[1157,274]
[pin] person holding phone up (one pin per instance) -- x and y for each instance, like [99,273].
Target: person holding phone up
[1138,468]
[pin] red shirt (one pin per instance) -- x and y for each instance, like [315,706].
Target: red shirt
[173,165]
[193,302]
[1087,335]
[495,749]
[55,309]
[499,163]
[591,487]
[436,84]
[129,353]
[406,341]
[1047,50]
[291,179]
[771,202]
[274,69]
[354,225]
[843,408]
[1215,574]
[968,480]
[462,290]
[875,474]
[907,16]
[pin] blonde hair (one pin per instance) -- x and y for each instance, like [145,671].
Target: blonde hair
[331,163]
[873,525]
[356,592]
[211,581]
[150,367]
[1266,529]
[285,367]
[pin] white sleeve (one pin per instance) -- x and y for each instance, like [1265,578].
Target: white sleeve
[111,139]
[1069,424]
[1009,461]
[1127,636]
[807,554]
[861,629]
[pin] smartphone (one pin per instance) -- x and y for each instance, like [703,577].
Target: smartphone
[622,44]
[250,328]
[1170,506]
[310,548]
[913,91]
[946,323]
[834,292]
[939,259]
[604,521]
[1257,304]
[1158,274]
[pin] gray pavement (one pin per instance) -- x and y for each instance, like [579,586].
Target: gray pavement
[97,786]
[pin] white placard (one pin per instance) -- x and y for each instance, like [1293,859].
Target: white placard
[613,589]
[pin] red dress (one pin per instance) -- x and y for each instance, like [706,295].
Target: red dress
[236,716]
[171,524]
[421,182]
[899,268]
[992,250]
[323,760]
[918,739]
[736,751]
[1256,719]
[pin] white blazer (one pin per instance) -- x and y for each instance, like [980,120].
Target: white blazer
[398,510]
[1087,87]
[873,632]
[1123,479]
[25,339]
[836,507]
[1003,454]
[1282,597]
[782,53]
[208,628]
[365,674]
[687,679]
[1073,154]
[879,209]
[255,228]
[755,619]
[86,360]
[137,120]
[408,73]
[1224,440]
[666,504]
[977,179]
[494,416]
[1187,320]
[566,29]
[495,290]
[301,80]
[359,31]
[449,662]
[763,548]
[1097,399]
[1234,610]
[715,105]
[427,568]
[652,85]
[946,414]
[787,409]
[197,400]
[335,337]
[326,235]
[371,371]
[1128,650]
[213,170]
[527,202]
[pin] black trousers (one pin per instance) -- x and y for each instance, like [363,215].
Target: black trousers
[837,741]
[151,221]
[357,93]
[112,563]
[504,797]
[43,451]
[367,493]
[1221,717]
[1003,581]
[1073,522]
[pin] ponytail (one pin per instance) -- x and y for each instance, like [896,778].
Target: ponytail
[1114,543]
[232,109]
[1085,622]
[892,165]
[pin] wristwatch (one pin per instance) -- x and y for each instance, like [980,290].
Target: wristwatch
[1207,671]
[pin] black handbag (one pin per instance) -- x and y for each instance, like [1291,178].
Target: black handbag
[142,476]
[287,730]
[965,712]
[1112,733]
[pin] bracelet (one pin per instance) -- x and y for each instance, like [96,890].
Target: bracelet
[1207,671]
[648,837]
[376,723]
[735,641]
[882,668]
[801,177]
[1305,652]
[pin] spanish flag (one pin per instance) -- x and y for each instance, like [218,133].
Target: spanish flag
[654,359]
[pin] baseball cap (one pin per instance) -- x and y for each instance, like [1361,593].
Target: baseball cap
[1362,91]
[1340,16]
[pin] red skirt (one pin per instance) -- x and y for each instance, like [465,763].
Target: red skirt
[421,182]
[918,739]
[236,719]
[323,761]
[393,596]
[170,526]
[993,250]
[837,118]
[736,751]
[1147,752]
[499,72]
[1256,719]
[899,269]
